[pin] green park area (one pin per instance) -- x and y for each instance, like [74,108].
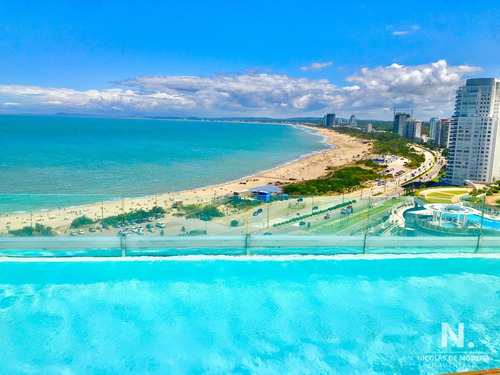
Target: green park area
[444,195]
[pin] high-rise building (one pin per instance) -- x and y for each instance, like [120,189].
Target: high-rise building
[400,123]
[443,133]
[435,124]
[329,120]
[369,128]
[352,121]
[474,149]
[413,130]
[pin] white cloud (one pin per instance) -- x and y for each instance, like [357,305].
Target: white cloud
[410,30]
[428,88]
[317,66]
[400,32]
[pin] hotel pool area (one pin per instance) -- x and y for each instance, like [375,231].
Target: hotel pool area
[249,315]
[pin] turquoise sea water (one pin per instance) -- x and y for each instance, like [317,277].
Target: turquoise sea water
[248,317]
[72,158]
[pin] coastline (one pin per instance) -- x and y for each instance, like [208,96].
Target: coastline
[343,149]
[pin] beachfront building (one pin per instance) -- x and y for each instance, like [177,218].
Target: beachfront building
[329,120]
[434,125]
[444,133]
[439,133]
[474,145]
[352,121]
[400,119]
[413,130]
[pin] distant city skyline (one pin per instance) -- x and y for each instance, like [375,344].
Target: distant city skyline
[258,59]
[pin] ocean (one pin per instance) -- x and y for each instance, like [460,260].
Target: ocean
[50,162]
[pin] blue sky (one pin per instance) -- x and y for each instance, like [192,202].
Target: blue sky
[248,58]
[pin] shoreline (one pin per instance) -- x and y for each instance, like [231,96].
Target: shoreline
[342,150]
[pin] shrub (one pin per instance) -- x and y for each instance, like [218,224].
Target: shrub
[38,230]
[206,213]
[81,222]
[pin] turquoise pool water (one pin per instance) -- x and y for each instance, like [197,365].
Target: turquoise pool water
[487,223]
[218,316]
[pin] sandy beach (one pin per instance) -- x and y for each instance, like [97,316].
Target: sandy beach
[347,149]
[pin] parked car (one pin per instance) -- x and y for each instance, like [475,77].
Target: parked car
[160,225]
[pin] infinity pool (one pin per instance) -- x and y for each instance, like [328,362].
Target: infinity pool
[241,315]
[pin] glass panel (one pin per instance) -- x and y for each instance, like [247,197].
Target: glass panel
[281,224]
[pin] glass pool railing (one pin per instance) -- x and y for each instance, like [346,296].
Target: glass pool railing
[233,225]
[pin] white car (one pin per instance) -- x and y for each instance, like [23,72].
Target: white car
[80,232]
[73,233]
[160,224]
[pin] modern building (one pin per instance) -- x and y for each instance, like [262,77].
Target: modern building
[369,128]
[439,133]
[444,133]
[352,121]
[413,130]
[434,124]
[400,123]
[329,120]
[474,146]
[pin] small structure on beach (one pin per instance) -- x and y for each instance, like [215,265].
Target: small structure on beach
[265,192]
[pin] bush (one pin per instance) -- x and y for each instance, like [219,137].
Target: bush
[38,230]
[81,222]
[337,182]
[134,215]
[243,204]
[206,213]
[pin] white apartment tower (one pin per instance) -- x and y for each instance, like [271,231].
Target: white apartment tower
[474,150]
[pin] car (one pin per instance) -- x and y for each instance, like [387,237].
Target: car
[315,207]
[148,226]
[149,219]
[80,232]
[255,213]
[91,229]
[72,233]
[160,225]
[151,230]
[259,210]
[267,234]
[302,223]
[140,232]
[105,226]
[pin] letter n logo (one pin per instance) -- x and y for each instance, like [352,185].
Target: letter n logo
[457,339]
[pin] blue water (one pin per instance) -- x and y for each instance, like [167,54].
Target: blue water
[112,157]
[247,317]
[487,223]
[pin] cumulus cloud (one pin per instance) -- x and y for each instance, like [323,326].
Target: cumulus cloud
[316,66]
[428,88]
